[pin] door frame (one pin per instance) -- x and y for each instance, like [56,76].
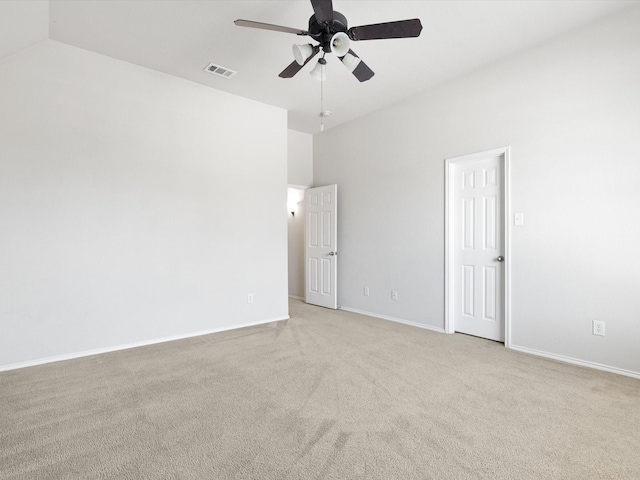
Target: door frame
[449,192]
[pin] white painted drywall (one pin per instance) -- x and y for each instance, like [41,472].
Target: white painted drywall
[22,24]
[134,206]
[300,173]
[300,158]
[570,110]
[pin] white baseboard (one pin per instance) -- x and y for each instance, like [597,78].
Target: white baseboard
[392,319]
[576,361]
[98,351]
[531,351]
[296,297]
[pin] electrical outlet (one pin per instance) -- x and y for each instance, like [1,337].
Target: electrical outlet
[365,291]
[598,328]
[250,298]
[394,295]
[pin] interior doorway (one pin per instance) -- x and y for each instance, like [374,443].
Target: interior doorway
[295,240]
[478,257]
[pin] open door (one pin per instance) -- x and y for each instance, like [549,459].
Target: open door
[321,249]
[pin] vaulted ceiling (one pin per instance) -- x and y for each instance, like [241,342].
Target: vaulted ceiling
[182,37]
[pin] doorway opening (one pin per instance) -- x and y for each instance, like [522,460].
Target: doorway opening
[295,240]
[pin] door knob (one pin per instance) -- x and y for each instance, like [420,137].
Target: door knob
[333,253]
[500,258]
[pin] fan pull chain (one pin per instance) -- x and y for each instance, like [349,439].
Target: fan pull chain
[321,104]
[323,112]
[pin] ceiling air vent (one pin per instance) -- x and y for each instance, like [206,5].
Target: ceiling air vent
[221,71]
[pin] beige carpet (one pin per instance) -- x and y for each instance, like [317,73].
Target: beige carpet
[325,395]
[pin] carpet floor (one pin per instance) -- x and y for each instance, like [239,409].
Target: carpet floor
[324,395]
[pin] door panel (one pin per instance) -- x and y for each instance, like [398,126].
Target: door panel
[468,297]
[468,223]
[478,242]
[312,229]
[312,279]
[490,292]
[321,246]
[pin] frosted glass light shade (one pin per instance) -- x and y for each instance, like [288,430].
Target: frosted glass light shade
[340,44]
[302,52]
[319,72]
[351,61]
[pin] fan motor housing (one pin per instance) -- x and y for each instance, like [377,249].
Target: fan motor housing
[322,32]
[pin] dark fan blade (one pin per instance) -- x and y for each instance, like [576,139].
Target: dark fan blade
[295,67]
[268,26]
[362,72]
[378,31]
[323,10]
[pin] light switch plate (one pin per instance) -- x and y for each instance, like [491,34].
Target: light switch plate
[518,219]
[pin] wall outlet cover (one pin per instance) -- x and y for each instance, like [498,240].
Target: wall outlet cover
[598,328]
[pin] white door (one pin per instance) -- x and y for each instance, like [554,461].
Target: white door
[321,246]
[478,247]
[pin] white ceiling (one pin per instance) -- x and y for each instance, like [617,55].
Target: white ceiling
[181,37]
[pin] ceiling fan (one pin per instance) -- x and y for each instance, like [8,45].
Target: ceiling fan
[330,29]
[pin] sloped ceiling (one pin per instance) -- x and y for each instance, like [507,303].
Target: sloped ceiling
[181,37]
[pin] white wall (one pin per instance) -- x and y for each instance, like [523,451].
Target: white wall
[134,206]
[570,109]
[300,173]
[22,24]
[300,158]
